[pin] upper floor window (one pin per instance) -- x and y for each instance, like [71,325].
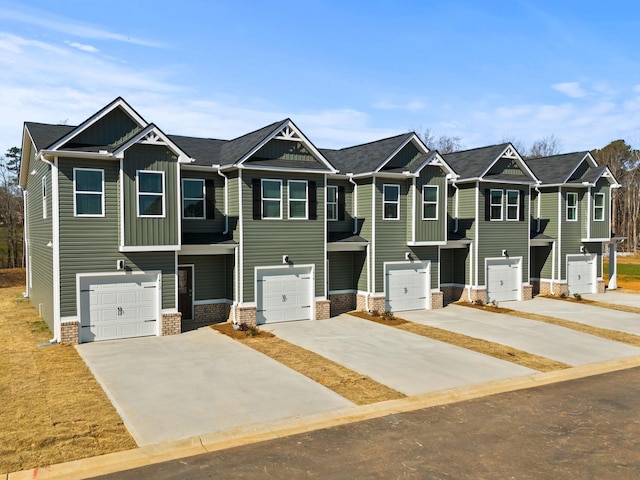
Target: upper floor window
[150,186]
[495,204]
[297,199]
[429,202]
[572,206]
[272,199]
[391,202]
[88,189]
[598,207]
[513,205]
[332,203]
[44,197]
[193,198]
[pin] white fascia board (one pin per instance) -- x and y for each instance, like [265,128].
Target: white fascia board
[27,146]
[438,161]
[207,249]
[151,128]
[431,243]
[394,153]
[595,240]
[346,246]
[50,154]
[589,158]
[518,159]
[118,102]
[282,169]
[149,248]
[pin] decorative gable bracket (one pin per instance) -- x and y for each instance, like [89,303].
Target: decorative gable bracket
[152,138]
[510,152]
[288,133]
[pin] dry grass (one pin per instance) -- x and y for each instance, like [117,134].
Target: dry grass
[52,408]
[623,337]
[353,386]
[497,350]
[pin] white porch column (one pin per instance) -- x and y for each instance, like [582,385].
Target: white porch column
[613,254]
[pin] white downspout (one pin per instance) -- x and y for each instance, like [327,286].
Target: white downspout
[366,296]
[470,272]
[235,299]
[588,219]
[559,277]
[553,266]
[537,189]
[226,200]
[455,224]
[355,202]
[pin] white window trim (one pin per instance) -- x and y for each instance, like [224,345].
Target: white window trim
[76,191]
[385,202]
[262,199]
[298,200]
[596,208]
[569,207]
[336,203]
[204,198]
[43,185]
[517,205]
[425,202]
[139,194]
[491,205]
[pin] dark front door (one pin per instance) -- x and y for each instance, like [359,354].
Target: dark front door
[185,292]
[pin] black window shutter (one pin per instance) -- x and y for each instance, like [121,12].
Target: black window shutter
[210,198]
[521,195]
[313,201]
[487,204]
[257,198]
[341,203]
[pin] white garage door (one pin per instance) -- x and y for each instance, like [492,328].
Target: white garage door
[118,307]
[407,287]
[503,279]
[284,294]
[581,273]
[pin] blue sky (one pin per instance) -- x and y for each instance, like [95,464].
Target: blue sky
[346,72]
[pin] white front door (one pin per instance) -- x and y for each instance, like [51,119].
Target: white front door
[407,286]
[581,273]
[120,306]
[284,294]
[503,279]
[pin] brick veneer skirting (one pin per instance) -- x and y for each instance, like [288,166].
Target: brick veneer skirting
[246,315]
[601,286]
[527,292]
[171,323]
[69,333]
[452,293]
[211,313]
[437,300]
[323,309]
[342,302]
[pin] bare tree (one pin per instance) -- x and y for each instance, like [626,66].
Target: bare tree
[443,143]
[11,213]
[517,143]
[545,147]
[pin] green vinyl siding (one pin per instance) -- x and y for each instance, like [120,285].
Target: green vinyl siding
[453,265]
[40,238]
[345,225]
[341,271]
[113,129]
[90,244]
[541,262]
[495,236]
[206,225]
[234,205]
[430,230]
[572,232]
[506,166]
[365,189]
[467,210]
[151,231]
[265,241]
[284,150]
[212,278]
[600,229]
[405,157]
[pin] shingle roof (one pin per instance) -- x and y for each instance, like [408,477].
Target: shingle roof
[366,157]
[205,151]
[45,135]
[556,168]
[473,163]
[345,237]
[233,150]
[593,174]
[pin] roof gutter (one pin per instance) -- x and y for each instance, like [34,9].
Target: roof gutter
[49,155]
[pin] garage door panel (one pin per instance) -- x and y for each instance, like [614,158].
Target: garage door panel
[407,286]
[283,296]
[504,279]
[581,274]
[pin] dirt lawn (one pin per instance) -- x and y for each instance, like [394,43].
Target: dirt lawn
[628,272]
[52,408]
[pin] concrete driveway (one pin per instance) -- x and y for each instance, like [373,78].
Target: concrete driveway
[171,388]
[581,313]
[618,297]
[550,341]
[407,362]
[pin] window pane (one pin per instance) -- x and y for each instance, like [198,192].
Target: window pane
[512,213]
[193,188]
[193,208]
[599,200]
[271,209]
[391,193]
[150,204]
[390,210]
[572,199]
[512,198]
[270,189]
[496,197]
[298,210]
[332,193]
[331,211]
[298,190]
[429,211]
[88,181]
[88,204]
[430,194]
[150,182]
[496,212]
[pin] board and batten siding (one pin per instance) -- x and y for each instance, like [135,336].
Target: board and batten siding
[264,242]
[151,231]
[341,271]
[90,244]
[431,230]
[205,225]
[495,236]
[212,278]
[113,129]
[40,231]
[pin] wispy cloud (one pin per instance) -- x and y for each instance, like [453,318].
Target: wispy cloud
[83,47]
[571,89]
[412,105]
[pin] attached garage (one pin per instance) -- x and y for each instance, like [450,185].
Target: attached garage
[118,306]
[504,279]
[581,273]
[407,286]
[284,294]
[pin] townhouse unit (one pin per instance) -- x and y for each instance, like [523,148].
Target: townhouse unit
[131,232]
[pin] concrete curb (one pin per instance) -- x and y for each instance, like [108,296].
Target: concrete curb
[138,457]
